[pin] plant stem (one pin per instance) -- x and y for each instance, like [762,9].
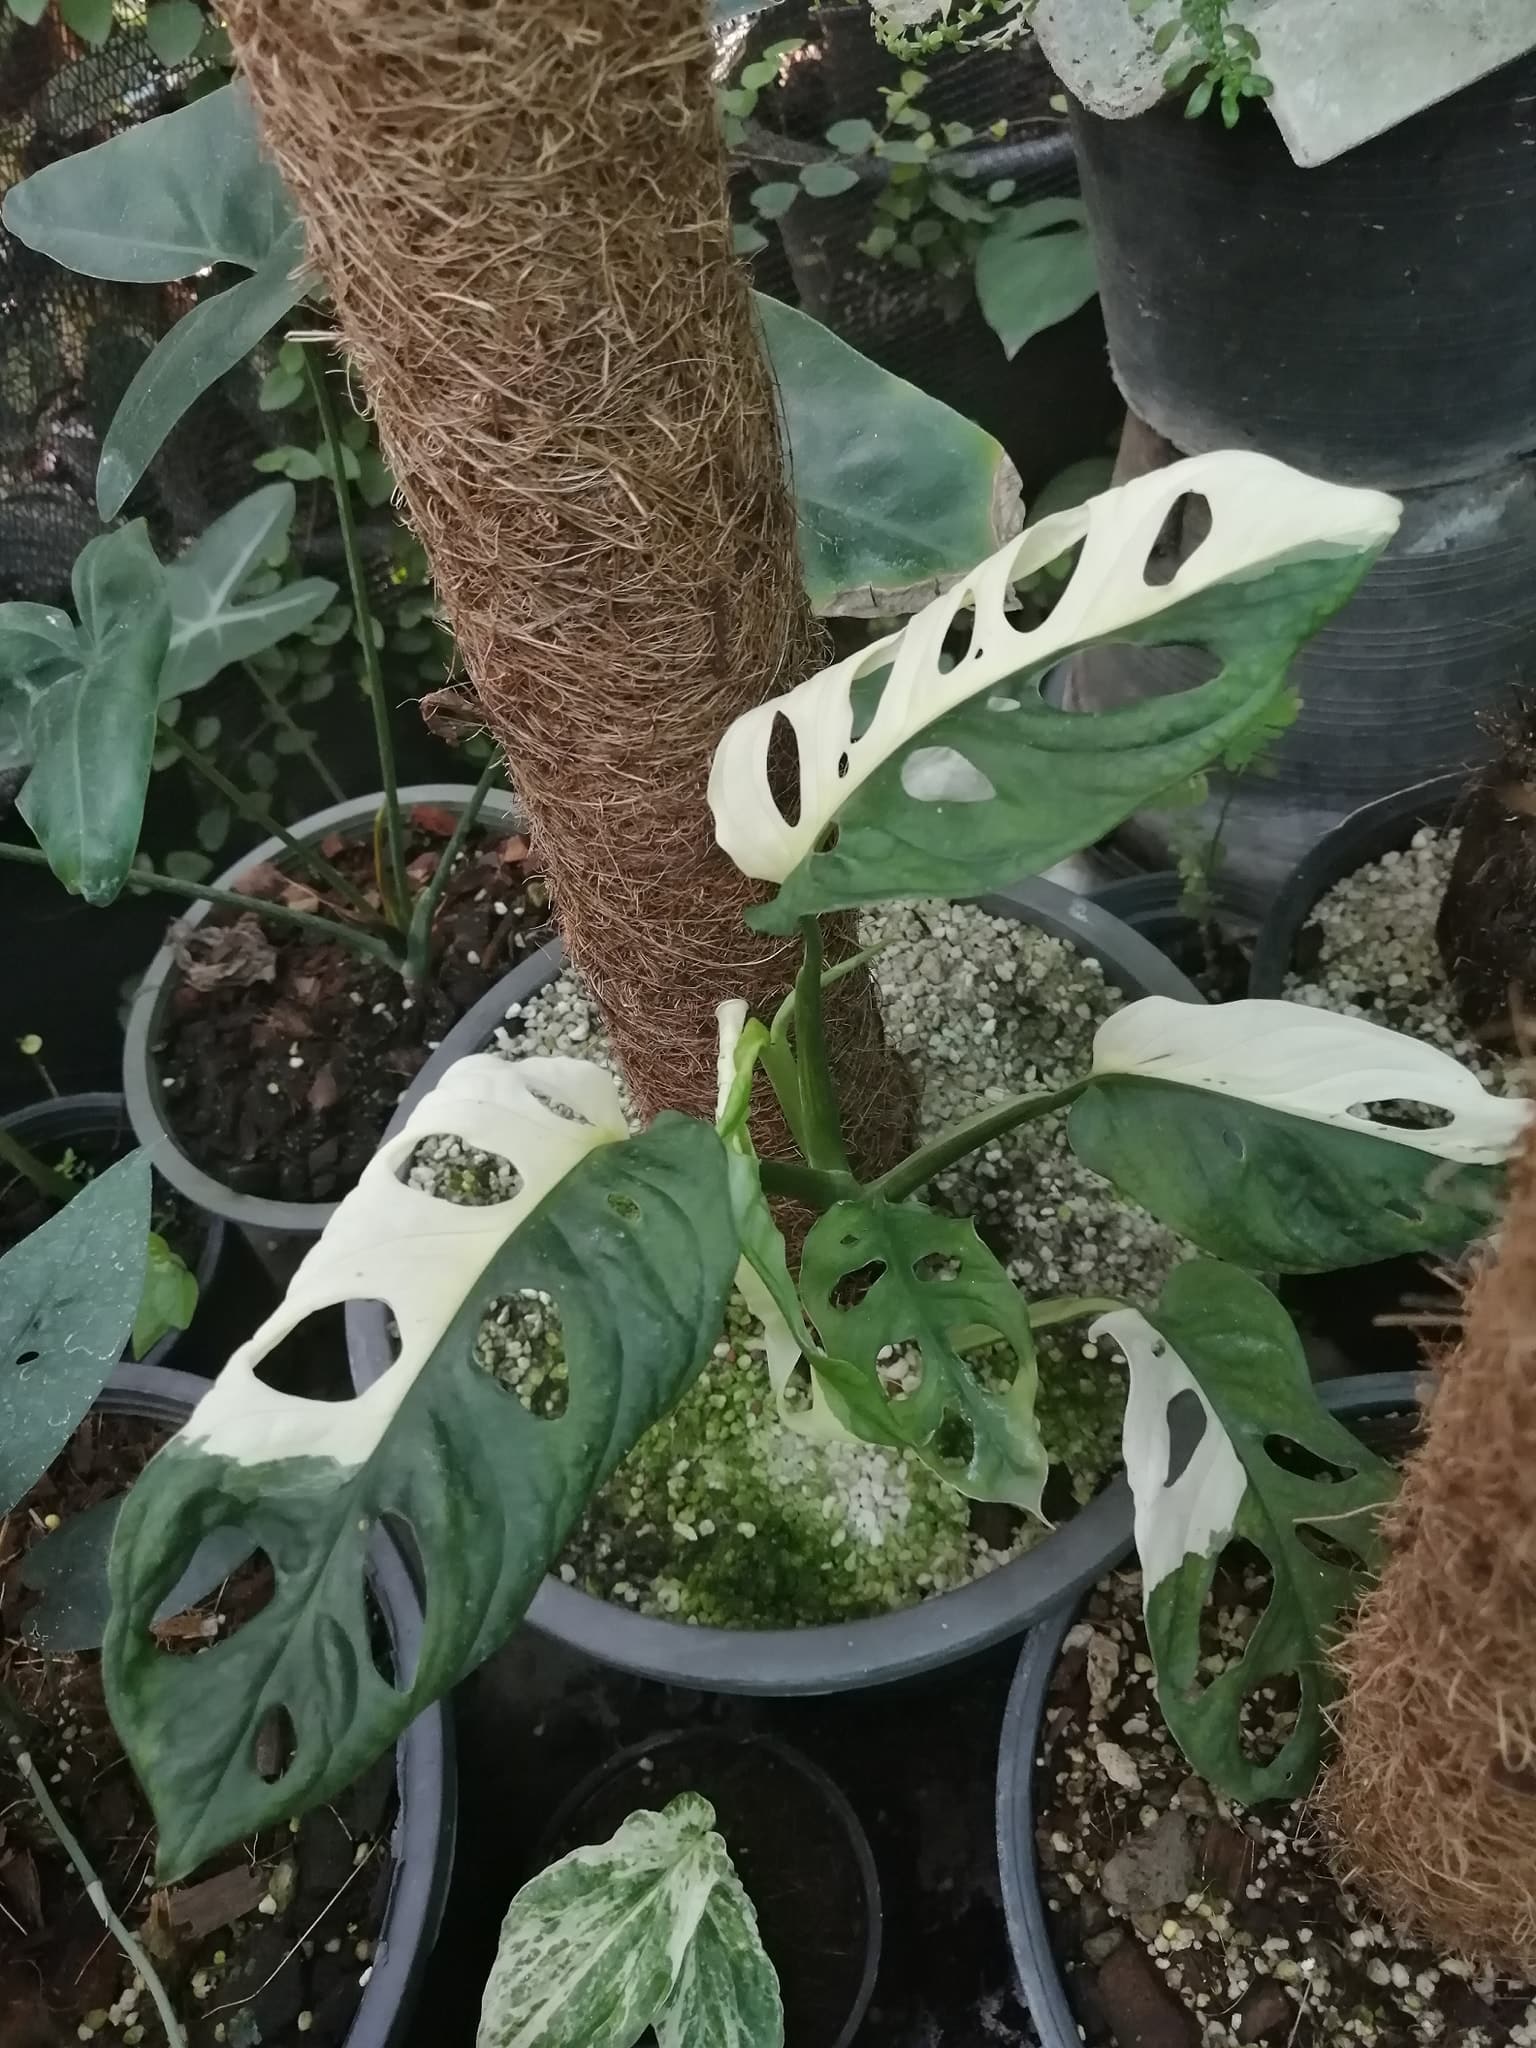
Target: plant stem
[823,1145]
[372,946]
[51,1185]
[252,808]
[1070,1308]
[818,1189]
[418,942]
[970,1136]
[282,716]
[784,1079]
[15,1728]
[362,621]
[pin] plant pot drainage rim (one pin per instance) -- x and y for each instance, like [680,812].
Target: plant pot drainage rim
[141,1079]
[826,1787]
[1042,1985]
[880,1649]
[65,1116]
[422,1841]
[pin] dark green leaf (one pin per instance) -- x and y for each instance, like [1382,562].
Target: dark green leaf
[68,1571]
[67,1297]
[215,620]
[1034,267]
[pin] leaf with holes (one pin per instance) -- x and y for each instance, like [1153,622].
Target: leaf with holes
[212,624]
[91,731]
[632,1241]
[875,1274]
[67,1297]
[895,494]
[1243,1126]
[924,769]
[1220,1344]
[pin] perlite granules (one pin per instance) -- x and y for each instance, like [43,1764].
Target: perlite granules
[724,1515]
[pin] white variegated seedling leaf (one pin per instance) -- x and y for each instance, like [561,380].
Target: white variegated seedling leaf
[1248,1127]
[649,1928]
[1218,1387]
[924,769]
[632,1241]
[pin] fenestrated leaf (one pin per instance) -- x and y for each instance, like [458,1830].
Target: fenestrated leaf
[68,1571]
[876,1273]
[67,1296]
[727,1992]
[633,1241]
[592,1948]
[1243,1126]
[183,364]
[895,494]
[212,626]
[949,775]
[161,200]
[91,733]
[1221,1336]
[1034,267]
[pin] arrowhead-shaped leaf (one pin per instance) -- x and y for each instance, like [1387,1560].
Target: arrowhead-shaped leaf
[632,1240]
[1034,267]
[1245,1127]
[212,626]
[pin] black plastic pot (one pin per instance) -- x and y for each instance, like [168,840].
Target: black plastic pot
[798,1846]
[1363,320]
[421,1849]
[101,1121]
[886,1647]
[1041,1983]
[1376,829]
[141,1080]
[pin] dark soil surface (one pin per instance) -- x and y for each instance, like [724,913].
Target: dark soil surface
[1184,1920]
[283,1057]
[266,1944]
[781,1831]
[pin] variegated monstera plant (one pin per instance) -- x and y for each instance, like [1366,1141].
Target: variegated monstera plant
[928,764]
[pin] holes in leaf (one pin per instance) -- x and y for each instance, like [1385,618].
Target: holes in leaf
[900,1369]
[398,1672]
[1187,1424]
[1404,1114]
[784,768]
[27,1357]
[959,640]
[461,1174]
[827,843]
[1266,1719]
[1303,1463]
[274,1744]
[1186,525]
[938,775]
[624,1206]
[987,1354]
[1234,1141]
[311,1361]
[1325,1546]
[842,766]
[521,1345]
[864,698]
[954,1441]
[557,1106]
[1237,1594]
[225,1583]
[798,1387]
[936,1266]
[854,1288]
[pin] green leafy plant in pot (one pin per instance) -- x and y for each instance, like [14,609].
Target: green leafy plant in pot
[929,762]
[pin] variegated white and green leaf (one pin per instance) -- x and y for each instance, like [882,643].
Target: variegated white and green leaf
[926,772]
[212,624]
[1221,1349]
[1247,1127]
[727,1992]
[632,1241]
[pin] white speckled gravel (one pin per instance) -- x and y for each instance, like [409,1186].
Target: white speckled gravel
[722,1514]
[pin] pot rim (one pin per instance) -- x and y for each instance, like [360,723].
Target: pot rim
[422,1840]
[879,1649]
[141,1078]
[1041,1983]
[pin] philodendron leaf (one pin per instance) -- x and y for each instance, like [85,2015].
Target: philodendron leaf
[38,645]
[183,364]
[875,1274]
[1219,1339]
[650,1928]
[927,768]
[1245,1126]
[91,733]
[161,200]
[895,494]
[1034,267]
[212,626]
[67,1297]
[632,1241]
[168,1299]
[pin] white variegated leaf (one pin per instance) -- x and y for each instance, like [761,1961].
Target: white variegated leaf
[727,1992]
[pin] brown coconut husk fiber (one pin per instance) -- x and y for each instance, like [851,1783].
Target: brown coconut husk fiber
[1434,1788]
[519,209]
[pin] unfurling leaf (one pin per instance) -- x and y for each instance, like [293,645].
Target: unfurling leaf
[1221,1349]
[168,1300]
[1247,1127]
[931,768]
[631,1240]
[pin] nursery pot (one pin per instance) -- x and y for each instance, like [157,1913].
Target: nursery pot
[421,1848]
[1363,320]
[1041,1982]
[882,1648]
[100,1122]
[1365,835]
[142,1087]
[798,1847]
